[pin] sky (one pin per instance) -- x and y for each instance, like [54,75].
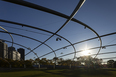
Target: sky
[97,14]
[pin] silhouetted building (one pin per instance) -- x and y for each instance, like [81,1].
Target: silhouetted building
[3,49]
[22,52]
[13,54]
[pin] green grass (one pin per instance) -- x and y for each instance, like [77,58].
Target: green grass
[59,73]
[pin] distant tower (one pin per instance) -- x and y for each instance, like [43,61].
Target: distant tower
[3,49]
[13,54]
[10,52]
[22,52]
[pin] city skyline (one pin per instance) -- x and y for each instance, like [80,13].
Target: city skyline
[10,52]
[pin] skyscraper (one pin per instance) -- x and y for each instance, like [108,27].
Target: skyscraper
[3,49]
[22,52]
[13,54]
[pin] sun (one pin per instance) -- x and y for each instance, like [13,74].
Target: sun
[86,52]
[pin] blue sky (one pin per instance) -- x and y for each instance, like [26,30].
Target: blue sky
[98,14]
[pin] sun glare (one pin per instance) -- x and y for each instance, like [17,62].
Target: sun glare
[86,52]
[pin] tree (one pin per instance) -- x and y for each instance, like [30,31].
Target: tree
[44,61]
[89,61]
[110,63]
[68,62]
[55,60]
[4,63]
[28,63]
[50,62]
[21,64]
[114,64]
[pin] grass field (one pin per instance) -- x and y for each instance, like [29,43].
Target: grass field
[59,73]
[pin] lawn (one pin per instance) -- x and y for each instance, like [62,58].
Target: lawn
[59,73]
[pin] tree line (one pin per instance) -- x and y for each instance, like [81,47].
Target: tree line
[6,63]
[82,61]
[111,64]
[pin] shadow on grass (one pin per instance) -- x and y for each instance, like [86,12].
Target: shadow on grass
[35,75]
[96,72]
[110,69]
[66,72]
[63,72]
[16,70]
[79,72]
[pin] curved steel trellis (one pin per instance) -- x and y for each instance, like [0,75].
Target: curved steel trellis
[75,43]
[71,16]
[81,42]
[38,7]
[91,49]
[13,53]
[11,38]
[104,53]
[88,49]
[31,39]
[15,43]
[68,45]
[8,33]
[19,24]
[109,58]
[25,30]
[18,45]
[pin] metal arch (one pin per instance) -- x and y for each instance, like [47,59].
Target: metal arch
[8,33]
[19,24]
[38,7]
[31,39]
[11,38]
[66,54]
[81,42]
[71,16]
[13,53]
[25,30]
[88,49]
[18,45]
[104,53]
[77,43]
[15,43]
